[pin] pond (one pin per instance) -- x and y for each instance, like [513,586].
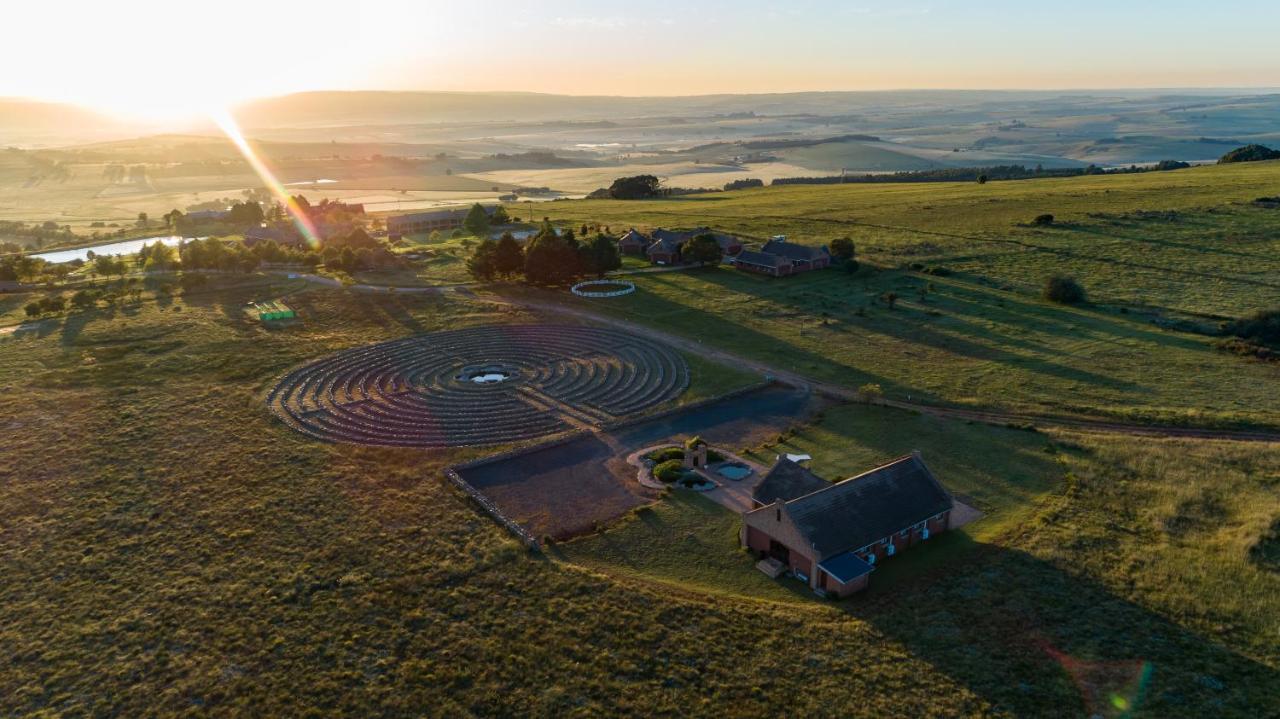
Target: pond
[124,247]
[734,471]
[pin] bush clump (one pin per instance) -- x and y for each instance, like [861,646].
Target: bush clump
[666,454]
[669,471]
[1042,220]
[1063,290]
[1260,327]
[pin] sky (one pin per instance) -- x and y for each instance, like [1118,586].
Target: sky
[152,59]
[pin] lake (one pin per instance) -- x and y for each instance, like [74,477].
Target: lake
[125,247]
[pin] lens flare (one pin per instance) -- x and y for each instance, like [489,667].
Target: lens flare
[300,219]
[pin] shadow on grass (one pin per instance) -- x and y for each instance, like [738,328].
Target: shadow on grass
[1027,635]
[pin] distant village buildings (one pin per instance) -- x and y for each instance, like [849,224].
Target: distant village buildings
[778,258]
[665,247]
[833,535]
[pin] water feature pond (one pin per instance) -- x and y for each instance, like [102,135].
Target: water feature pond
[123,247]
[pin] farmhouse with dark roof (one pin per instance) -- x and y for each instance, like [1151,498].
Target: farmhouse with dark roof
[633,242]
[780,258]
[833,536]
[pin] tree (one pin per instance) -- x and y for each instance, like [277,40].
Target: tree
[842,249]
[142,219]
[982,179]
[355,239]
[247,213]
[550,259]
[891,299]
[500,216]
[1063,290]
[477,221]
[1043,220]
[84,299]
[508,258]
[483,263]
[600,256]
[634,188]
[157,256]
[704,249]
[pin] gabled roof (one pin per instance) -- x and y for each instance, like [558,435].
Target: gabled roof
[633,235]
[760,259]
[787,480]
[793,251]
[845,567]
[851,514]
[726,241]
[666,243]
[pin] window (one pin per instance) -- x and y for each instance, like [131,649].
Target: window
[779,517]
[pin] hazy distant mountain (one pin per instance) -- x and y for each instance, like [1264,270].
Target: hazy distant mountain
[321,109]
[33,123]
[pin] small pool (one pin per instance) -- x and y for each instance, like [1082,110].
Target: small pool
[734,471]
[489,378]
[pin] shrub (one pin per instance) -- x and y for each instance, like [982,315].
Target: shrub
[1063,290]
[714,456]
[669,471]
[667,454]
[1042,220]
[1262,327]
[1247,348]
[870,392]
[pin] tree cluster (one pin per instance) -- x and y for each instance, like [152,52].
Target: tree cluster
[637,187]
[550,258]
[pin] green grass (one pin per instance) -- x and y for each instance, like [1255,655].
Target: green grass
[684,540]
[1085,584]
[708,379]
[1215,255]
[962,342]
[169,548]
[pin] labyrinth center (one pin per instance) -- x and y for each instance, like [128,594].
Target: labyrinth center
[485,385]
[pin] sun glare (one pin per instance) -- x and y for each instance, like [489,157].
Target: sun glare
[224,120]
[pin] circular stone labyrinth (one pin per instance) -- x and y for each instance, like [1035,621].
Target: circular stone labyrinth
[485,385]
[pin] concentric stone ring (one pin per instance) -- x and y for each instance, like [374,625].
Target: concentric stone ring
[478,386]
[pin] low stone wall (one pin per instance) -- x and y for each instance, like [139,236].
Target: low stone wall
[492,510]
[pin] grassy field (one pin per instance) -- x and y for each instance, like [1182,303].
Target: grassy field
[171,549]
[281,576]
[1154,251]
[1186,240]
[958,340]
[1094,578]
